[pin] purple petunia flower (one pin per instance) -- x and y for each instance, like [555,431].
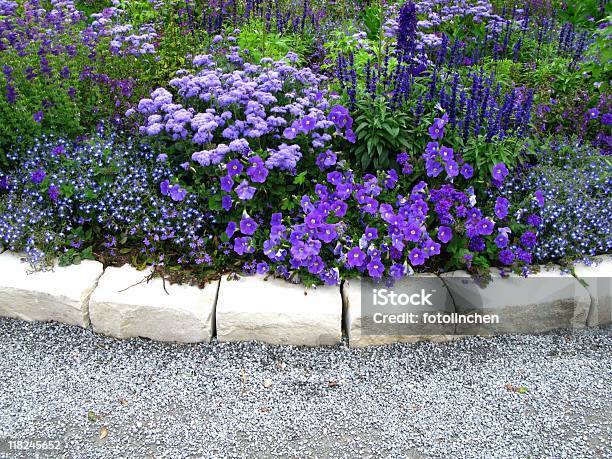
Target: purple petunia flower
[234,168]
[452,168]
[226,183]
[371,233]
[308,123]
[54,193]
[534,220]
[226,202]
[262,268]
[376,268]
[38,116]
[164,187]
[467,171]
[397,271]
[245,191]
[436,130]
[350,136]
[500,172]
[501,240]
[416,257]
[445,234]
[529,239]
[243,245]
[355,257]
[38,176]
[501,207]
[231,229]
[477,244]
[506,257]
[248,226]
[523,255]
[485,226]
[256,170]
[340,116]
[177,193]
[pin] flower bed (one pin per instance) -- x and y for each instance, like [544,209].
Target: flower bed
[309,146]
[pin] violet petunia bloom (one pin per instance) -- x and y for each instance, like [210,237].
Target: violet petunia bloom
[38,176]
[467,171]
[164,186]
[177,193]
[376,268]
[245,191]
[226,183]
[416,257]
[445,234]
[500,172]
[226,202]
[54,193]
[355,257]
[234,168]
[243,245]
[231,229]
[248,226]
[506,257]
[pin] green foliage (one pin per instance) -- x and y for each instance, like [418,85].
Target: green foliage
[372,21]
[381,134]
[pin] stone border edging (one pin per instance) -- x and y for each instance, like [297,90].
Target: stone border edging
[122,303]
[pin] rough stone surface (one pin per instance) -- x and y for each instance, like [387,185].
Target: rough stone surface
[61,294]
[125,305]
[598,280]
[541,396]
[277,312]
[355,315]
[543,301]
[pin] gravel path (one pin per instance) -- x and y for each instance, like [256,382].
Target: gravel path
[508,397]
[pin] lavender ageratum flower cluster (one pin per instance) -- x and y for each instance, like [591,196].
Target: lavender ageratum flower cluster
[64,190]
[567,198]
[230,113]
[110,22]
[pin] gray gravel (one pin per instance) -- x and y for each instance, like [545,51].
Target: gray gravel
[508,397]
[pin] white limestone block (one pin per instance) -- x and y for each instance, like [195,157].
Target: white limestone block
[61,294]
[278,312]
[597,279]
[125,305]
[547,300]
[360,312]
